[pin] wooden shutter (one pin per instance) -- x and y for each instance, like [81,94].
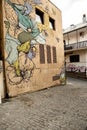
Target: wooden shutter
[48,54]
[42,54]
[54,55]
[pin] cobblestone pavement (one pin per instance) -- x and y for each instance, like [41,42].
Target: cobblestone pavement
[56,108]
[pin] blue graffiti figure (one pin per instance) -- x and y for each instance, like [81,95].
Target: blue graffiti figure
[27,23]
[29,37]
[24,21]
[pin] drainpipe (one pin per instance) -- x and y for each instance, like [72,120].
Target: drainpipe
[77,38]
[65,71]
[4,79]
[68,38]
[3,47]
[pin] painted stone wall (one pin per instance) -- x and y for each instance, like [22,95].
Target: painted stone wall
[77,69]
[23,37]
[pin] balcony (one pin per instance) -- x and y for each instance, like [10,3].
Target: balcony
[76,46]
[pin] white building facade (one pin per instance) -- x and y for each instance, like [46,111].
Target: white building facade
[31,46]
[75,45]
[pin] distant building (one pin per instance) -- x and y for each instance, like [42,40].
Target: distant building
[31,49]
[75,45]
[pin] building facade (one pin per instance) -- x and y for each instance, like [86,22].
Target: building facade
[32,52]
[75,44]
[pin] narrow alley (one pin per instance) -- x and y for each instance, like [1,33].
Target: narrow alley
[56,108]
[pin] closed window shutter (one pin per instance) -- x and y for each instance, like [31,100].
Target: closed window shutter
[54,55]
[42,54]
[48,54]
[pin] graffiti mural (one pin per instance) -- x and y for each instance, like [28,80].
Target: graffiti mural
[75,68]
[21,46]
[62,76]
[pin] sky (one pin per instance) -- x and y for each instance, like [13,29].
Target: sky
[72,11]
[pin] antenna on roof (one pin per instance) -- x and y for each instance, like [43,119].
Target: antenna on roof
[84,18]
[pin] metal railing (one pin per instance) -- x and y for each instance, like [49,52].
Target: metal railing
[78,45]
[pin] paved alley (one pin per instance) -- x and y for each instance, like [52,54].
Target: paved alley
[56,108]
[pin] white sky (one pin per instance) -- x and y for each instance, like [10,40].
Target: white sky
[72,11]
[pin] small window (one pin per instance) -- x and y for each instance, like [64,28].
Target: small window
[54,55]
[81,34]
[48,54]
[64,42]
[42,54]
[74,58]
[52,23]
[39,16]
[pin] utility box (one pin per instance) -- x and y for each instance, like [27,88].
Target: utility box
[32,45]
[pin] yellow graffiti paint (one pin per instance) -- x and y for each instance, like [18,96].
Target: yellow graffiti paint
[16,66]
[24,47]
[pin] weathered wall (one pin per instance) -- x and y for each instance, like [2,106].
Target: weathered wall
[77,69]
[81,53]
[75,37]
[23,37]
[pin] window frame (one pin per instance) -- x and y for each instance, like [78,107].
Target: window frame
[48,49]
[54,54]
[74,58]
[40,14]
[41,54]
[52,23]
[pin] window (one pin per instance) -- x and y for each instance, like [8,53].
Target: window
[74,58]
[39,16]
[42,54]
[54,55]
[81,34]
[52,23]
[48,54]
[64,42]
